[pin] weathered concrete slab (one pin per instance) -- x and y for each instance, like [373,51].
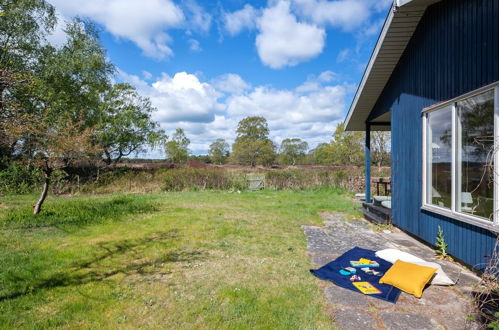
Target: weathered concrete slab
[354,319]
[321,259]
[342,297]
[397,320]
[439,308]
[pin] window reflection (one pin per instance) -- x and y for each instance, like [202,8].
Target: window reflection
[475,130]
[439,157]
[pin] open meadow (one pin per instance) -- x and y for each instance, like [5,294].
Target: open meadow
[191,259]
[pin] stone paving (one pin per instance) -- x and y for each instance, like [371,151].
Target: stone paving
[439,308]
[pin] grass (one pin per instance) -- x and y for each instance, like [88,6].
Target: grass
[202,259]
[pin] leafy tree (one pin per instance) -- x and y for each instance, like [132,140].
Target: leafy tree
[53,144]
[321,154]
[60,88]
[176,148]
[253,128]
[380,147]
[252,145]
[219,151]
[126,126]
[24,25]
[292,150]
[51,109]
[347,147]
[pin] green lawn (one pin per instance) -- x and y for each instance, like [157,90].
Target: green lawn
[175,260]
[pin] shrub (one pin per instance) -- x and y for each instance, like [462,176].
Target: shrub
[202,178]
[19,179]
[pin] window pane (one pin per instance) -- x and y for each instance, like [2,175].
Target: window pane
[439,156]
[475,131]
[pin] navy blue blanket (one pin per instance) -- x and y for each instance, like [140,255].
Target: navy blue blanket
[331,272]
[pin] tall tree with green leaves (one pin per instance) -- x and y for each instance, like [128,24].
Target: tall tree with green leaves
[24,25]
[252,145]
[380,147]
[292,150]
[321,154]
[177,148]
[219,151]
[347,148]
[125,126]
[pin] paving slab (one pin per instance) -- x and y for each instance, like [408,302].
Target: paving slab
[322,259]
[397,320]
[440,307]
[354,319]
[343,297]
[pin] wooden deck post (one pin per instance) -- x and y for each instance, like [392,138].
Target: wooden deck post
[367,150]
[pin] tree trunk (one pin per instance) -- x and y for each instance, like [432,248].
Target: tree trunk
[38,206]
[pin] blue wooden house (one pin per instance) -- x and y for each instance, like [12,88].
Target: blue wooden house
[433,81]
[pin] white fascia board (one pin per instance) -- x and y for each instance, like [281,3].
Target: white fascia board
[400,3]
[369,67]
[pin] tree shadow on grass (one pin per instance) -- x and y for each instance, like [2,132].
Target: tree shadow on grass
[116,257]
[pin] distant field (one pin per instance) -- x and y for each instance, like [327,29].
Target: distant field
[205,259]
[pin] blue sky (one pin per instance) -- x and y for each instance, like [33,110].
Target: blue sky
[205,65]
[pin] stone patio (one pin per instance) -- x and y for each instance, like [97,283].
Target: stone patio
[439,308]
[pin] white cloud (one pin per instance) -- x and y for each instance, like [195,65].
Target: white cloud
[147,75]
[143,22]
[241,19]
[58,37]
[322,104]
[211,110]
[194,45]
[230,83]
[343,55]
[314,82]
[345,14]
[197,17]
[283,41]
[179,98]
[327,76]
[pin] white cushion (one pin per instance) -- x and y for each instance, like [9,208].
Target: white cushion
[392,255]
[440,277]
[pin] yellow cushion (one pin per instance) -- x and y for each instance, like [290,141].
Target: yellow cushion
[408,277]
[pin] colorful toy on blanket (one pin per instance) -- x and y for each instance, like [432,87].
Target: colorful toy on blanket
[370,271]
[355,278]
[363,262]
[348,271]
[366,288]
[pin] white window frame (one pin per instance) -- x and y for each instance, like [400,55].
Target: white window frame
[452,212]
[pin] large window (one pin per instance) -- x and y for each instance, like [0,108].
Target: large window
[460,160]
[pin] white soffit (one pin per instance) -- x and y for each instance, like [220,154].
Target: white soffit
[398,29]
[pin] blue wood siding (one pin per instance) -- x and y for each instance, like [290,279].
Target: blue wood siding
[455,49]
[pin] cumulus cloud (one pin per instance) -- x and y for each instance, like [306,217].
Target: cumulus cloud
[293,31]
[241,19]
[144,22]
[230,83]
[208,110]
[345,14]
[182,97]
[283,41]
[289,107]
